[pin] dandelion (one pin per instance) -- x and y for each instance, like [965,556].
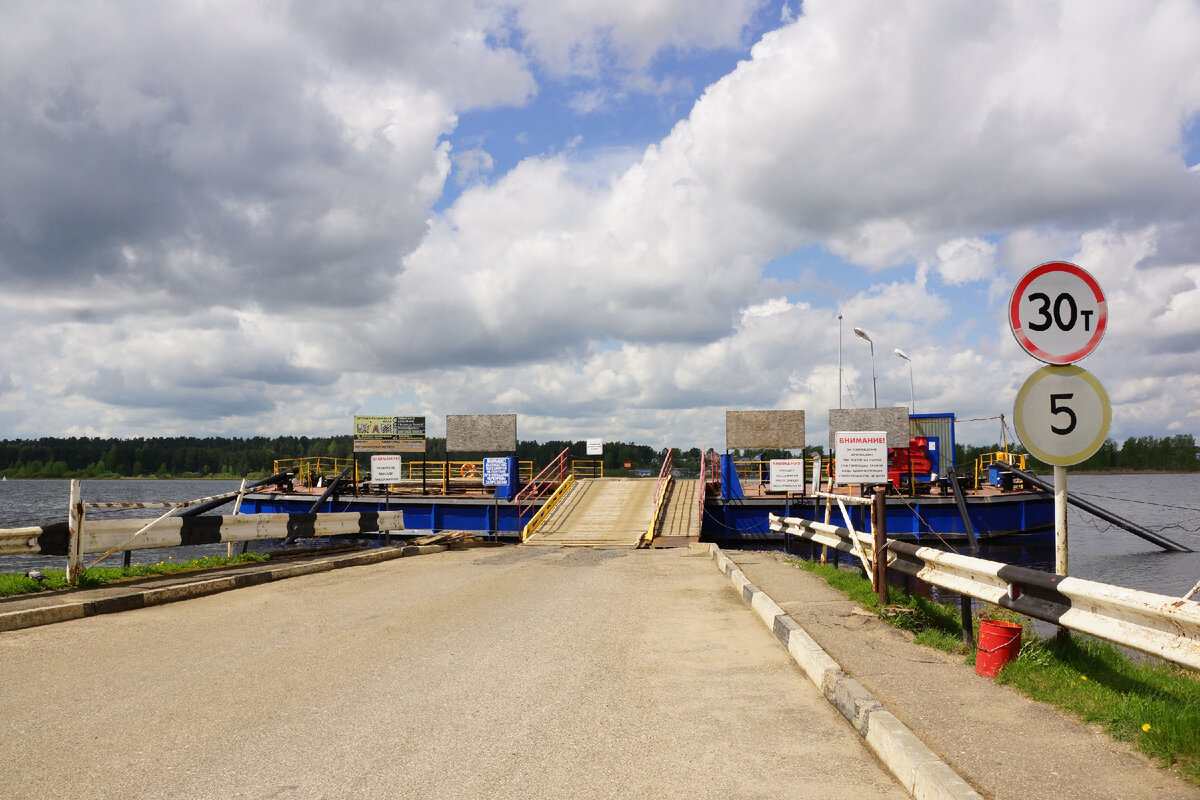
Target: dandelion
[1146,727]
[1083,677]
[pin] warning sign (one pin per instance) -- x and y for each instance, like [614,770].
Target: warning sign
[861,457]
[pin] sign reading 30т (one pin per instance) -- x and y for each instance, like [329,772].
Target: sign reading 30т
[1062,415]
[1058,313]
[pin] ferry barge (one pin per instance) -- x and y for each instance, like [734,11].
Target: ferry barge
[922,506]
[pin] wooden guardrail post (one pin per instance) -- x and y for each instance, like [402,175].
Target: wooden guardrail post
[74,533]
[879,529]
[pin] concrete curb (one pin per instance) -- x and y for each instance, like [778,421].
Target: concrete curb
[918,769]
[61,612]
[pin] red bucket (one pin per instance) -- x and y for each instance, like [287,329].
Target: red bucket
[999,643]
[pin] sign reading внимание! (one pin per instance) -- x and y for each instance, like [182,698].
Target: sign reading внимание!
[861,457]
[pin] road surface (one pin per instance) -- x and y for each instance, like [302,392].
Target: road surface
[507,672]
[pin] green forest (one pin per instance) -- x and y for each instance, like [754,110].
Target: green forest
[1136,454]
[253,457]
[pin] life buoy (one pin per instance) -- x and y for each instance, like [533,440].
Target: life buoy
[469,470]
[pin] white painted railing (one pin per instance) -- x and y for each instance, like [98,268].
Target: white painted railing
[1162,626]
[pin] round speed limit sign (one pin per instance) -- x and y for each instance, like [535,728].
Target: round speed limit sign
[1058,312]
[1062,415]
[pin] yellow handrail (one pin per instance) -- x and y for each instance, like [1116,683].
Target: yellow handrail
[444,473]
[665,480]
[587,468]
[656,520]
[547,507]
[987,459]
[309,468]
[759,470]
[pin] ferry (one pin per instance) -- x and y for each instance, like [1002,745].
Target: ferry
[928,501]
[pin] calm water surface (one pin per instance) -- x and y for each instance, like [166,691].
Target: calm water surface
[1169,504]
[42,501]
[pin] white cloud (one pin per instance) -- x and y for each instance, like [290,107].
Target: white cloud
[218,218]
[588,37]
[883,127]
[963,260]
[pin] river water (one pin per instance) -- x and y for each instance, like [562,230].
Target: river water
[1169,504]
[39,502]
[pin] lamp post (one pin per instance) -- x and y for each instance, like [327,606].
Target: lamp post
[860,333]
[839,358]
[911,397]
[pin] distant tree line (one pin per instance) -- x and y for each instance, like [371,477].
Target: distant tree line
[160,457]
[1142,453]
[254,457]
[224,457]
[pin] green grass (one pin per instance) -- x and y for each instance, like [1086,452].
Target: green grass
[56,579]
[1154,706]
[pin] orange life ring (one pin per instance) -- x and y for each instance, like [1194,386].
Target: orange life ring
[469,470]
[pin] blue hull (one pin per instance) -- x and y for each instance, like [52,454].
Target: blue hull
[925,520]
[420,513]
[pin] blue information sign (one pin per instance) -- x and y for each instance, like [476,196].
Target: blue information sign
[495,471]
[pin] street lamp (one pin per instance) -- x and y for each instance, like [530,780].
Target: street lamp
[860,333]
[911,397]
[839,358]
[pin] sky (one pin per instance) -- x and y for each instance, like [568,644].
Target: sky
[613,218]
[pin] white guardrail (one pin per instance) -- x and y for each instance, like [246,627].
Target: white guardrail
[1162,626]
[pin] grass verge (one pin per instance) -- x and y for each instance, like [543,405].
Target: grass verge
[1155,706]
[56,579]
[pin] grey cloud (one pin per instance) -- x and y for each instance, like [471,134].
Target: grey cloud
[187,402]
[209,168]
[456,46]
[1177,344]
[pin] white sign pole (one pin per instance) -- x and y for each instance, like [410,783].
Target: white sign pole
[1060,520]
[1058,314]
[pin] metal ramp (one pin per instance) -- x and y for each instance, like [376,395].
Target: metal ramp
[681,517]
[600,512]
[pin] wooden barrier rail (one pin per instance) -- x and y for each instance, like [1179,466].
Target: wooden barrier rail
[99,536]
[1162,626]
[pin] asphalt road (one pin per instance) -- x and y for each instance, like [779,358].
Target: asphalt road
[511,672]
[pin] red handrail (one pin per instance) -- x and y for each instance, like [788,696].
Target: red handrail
[664,474]
[542,484]
[665,470]
[703,491]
